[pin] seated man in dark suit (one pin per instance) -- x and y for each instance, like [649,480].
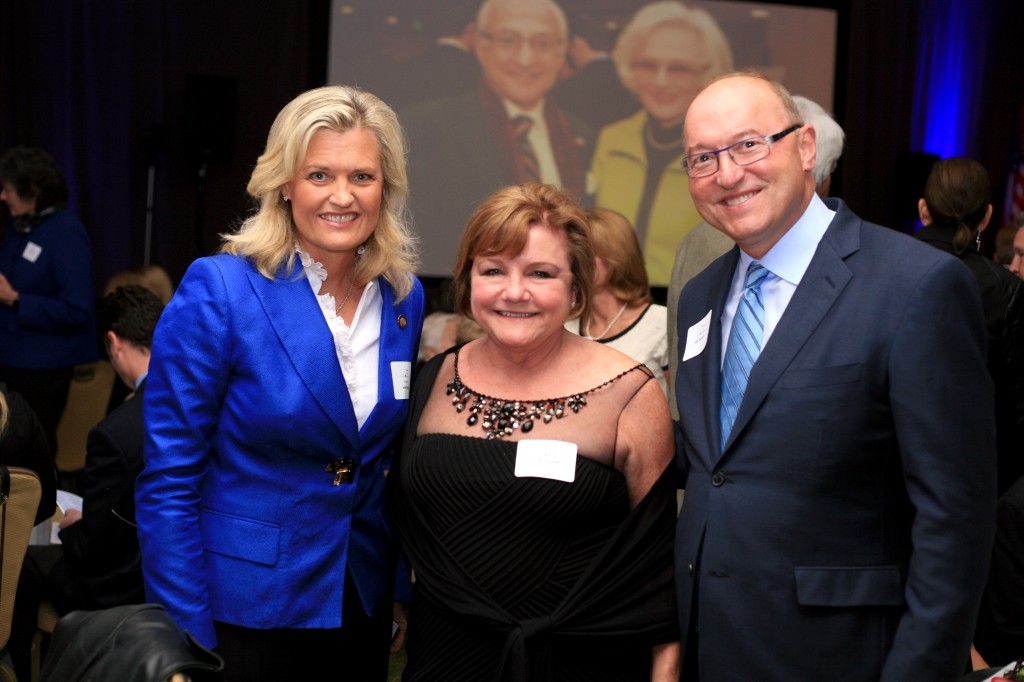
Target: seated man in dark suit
[506,131]
[98,563]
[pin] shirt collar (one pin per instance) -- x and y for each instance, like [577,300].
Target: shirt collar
[513,110]
[792,254]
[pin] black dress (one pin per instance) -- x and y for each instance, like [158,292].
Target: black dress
[531,578]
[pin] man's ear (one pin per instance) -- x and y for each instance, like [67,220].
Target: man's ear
[809,147]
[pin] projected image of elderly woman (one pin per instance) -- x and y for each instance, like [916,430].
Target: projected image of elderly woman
[663,56]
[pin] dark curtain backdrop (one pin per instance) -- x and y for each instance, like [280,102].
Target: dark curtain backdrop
[190,88]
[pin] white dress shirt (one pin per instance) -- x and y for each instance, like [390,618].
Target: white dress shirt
[786,263]
[357,345]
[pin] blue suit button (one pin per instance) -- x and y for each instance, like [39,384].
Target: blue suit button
[717,479]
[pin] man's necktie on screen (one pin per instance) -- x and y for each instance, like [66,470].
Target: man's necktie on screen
[521,125]
[743,348]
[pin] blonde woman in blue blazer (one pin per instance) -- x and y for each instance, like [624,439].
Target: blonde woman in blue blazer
[278,385]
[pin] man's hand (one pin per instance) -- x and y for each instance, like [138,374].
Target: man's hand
[70,516]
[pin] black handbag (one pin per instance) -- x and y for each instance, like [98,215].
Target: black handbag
[135,643]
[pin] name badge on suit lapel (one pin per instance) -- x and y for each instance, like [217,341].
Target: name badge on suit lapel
[697,338]
[401,378]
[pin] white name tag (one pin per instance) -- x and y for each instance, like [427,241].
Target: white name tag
[554,459]
[697,338]
[401,377]
[32,252]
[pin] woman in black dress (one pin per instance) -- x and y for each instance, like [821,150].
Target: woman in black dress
[532,492]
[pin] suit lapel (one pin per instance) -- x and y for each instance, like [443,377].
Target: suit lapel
[295,316]
[826,277]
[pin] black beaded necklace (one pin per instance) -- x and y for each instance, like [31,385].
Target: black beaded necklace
[501,416]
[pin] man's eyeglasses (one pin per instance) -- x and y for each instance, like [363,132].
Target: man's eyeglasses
[512,43]
[743,153]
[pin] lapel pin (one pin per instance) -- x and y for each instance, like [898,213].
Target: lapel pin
[344,470]
[402,322]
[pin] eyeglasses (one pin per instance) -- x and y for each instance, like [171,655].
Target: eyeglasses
[742,153]
[648,69]
[512,43]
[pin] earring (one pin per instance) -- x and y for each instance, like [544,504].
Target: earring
[360,251]
[977,241]
[573,303]
[286,198]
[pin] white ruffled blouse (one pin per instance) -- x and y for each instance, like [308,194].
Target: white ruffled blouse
[357,345]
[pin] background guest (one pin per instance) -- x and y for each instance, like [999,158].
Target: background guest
[534,562]
[620,312]
[47,320]
[1017,261]
[23,444]
[438,334]
[999,636]
[279,378]
[954,211]
[156,279]
[97,565]
[664,55]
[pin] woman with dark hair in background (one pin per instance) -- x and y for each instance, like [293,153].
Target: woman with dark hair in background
[955,210]
[47,291]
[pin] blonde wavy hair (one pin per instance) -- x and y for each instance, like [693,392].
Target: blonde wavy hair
[267,237]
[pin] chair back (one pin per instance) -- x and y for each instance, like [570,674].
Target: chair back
[88,397]
[19,499]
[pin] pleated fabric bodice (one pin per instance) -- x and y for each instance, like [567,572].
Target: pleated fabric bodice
[510,570]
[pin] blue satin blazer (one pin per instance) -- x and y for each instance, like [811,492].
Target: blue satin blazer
[246,406]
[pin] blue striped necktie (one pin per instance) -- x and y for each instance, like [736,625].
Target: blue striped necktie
[743,348]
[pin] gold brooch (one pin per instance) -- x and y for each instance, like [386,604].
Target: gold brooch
[344,470]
